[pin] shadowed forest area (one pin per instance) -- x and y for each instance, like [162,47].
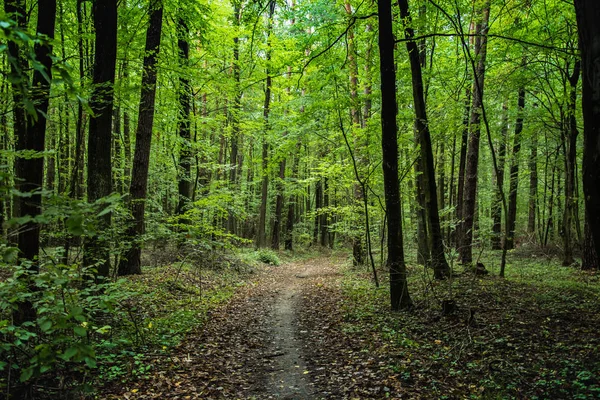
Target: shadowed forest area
[299,199]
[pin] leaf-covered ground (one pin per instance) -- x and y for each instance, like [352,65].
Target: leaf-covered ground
[317,329]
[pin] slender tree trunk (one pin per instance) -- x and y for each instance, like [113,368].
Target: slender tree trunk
[235,109]
[99,168]
[399,296]
[185,156]
[318,206]
[357,238]
[138,190]
[570,150]
[462,162]
[276,234]
[325,215]
[589,258]
[499,178]
[438,258]
[126,139]
[261,238]
[533,183]
[472,161]
[293,206]
[514,172]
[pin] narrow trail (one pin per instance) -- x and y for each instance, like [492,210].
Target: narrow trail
[258,346]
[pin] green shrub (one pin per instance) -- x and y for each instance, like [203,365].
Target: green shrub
[267,257]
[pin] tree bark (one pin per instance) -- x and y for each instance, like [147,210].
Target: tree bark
[570,152]
[183,124]
[438,258]
[131,264]
[499,181]
[472,161]
[533,183]
[588,15]
[399,296]
[235,109]
[99,159]
[261,238]
[357,238]
[462,162]
[514,172]
[30,134]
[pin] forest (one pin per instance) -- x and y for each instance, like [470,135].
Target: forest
[299,199]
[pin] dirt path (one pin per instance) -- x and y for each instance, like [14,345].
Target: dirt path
[256,347]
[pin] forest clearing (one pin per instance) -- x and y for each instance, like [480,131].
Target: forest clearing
[299,199]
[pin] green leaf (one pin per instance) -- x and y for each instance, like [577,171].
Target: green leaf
[26,374]
[75,225]
[70,353]
[91,362]
[79,331]
[45,324]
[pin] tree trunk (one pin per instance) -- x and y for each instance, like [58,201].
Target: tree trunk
[438,258]
[30,134]
[514,172]
[276,234]
[589,258]
[126,140]
[318,206]
[324,215]
[399,296]
[499,182]
[462,162]
[588,15]
[99,168]
[533,183]
[183,124]
[357,237]
[570,152]
[235,109]
[472,161]
[131,264]
[261,238]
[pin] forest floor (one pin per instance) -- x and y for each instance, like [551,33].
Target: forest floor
[311,330]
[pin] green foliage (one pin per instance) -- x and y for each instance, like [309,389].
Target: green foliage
[74,315]
[267,256]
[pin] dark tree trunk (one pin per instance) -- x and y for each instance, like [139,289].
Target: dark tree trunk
[438,258]
[589,258]
[472,162]
[261,238]
[138,190]
[293,206]
[185,156]
[276,234]
[126,140]
[462,162]
[99,168]
[499,178]
[588,15]
[235,109]
[533,183]
[324,215]
[318,206]
[423,250]
[30,134]
[357,237]
[570,150]
[118,152]
[399,295]
[514,173]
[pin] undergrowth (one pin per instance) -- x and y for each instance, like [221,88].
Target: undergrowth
[532,335]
